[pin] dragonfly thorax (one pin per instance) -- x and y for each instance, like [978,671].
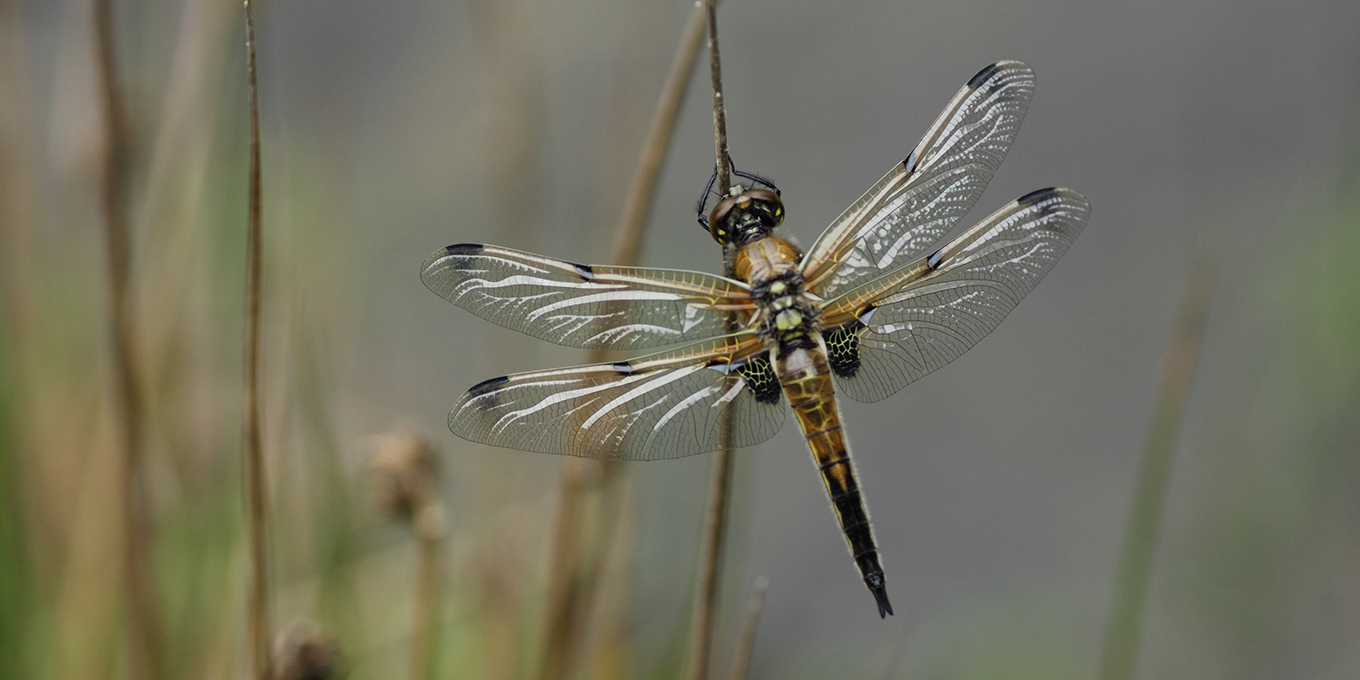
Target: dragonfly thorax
[787,313]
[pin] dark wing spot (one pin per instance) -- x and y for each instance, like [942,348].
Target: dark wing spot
[760,377]
[623,367]
[486,387]
[982,76]
[909,163]
[584,271]
[1035,196]
[465,249]
[842,349]
[465,253]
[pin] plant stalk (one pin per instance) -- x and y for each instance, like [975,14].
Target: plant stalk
[1124,626]
[720,491]
[143,614]
[257,620]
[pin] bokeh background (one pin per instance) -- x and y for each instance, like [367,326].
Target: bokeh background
[1000,486]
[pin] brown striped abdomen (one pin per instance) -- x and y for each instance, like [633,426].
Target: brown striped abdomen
[806,378]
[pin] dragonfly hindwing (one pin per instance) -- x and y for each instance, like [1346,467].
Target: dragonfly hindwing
[761,378]
[842,348]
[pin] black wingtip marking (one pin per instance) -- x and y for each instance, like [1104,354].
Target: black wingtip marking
[880,591]
[464,249]
[982,76]
[1035,196]
[486,386]
[465,254]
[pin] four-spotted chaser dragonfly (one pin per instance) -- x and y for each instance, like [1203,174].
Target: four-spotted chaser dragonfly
[870,307]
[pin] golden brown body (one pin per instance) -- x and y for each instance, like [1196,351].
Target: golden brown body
[788,318]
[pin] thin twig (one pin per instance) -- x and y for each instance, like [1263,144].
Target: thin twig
[1124,625]
[561,634]
[406,488]
[430,531]
[571,583]
[715,529]
[719,114]
[258,649]
[741,663]
[143,617]
[710,561]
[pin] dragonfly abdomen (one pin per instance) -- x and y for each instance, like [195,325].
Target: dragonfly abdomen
[806,379]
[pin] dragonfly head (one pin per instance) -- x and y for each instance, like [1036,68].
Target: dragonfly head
[745,215]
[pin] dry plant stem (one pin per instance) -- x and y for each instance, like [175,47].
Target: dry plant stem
[741,663]
[571,584]
[427,601]
[715,530]
[719,114]
[257,621]
[710,561]
[143,618]
[1124,625]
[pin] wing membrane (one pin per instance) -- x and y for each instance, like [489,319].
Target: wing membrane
[894,330]
[667,405]
[922,197]
[593,307]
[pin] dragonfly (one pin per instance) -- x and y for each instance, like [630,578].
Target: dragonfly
[876,303]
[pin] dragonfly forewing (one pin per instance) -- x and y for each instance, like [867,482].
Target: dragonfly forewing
[587,306]
[887,333]
[921,198]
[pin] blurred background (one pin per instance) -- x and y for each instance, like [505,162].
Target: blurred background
[1000,485]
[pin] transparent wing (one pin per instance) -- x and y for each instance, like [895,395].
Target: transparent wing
[666,405]
[576,305]
[922,197]
[887,333]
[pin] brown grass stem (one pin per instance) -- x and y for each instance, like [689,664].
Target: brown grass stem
[710,561]
[571,581]
[572,578]
[430,531]
[257,620]
[143,614]
[1124,624]
[719,111]
[741,661]
[715,524]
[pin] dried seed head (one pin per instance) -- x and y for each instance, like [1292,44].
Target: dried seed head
[404,478]
[305,652]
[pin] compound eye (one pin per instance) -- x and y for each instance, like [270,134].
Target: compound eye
[718,233]
[717,219]
[769,201]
